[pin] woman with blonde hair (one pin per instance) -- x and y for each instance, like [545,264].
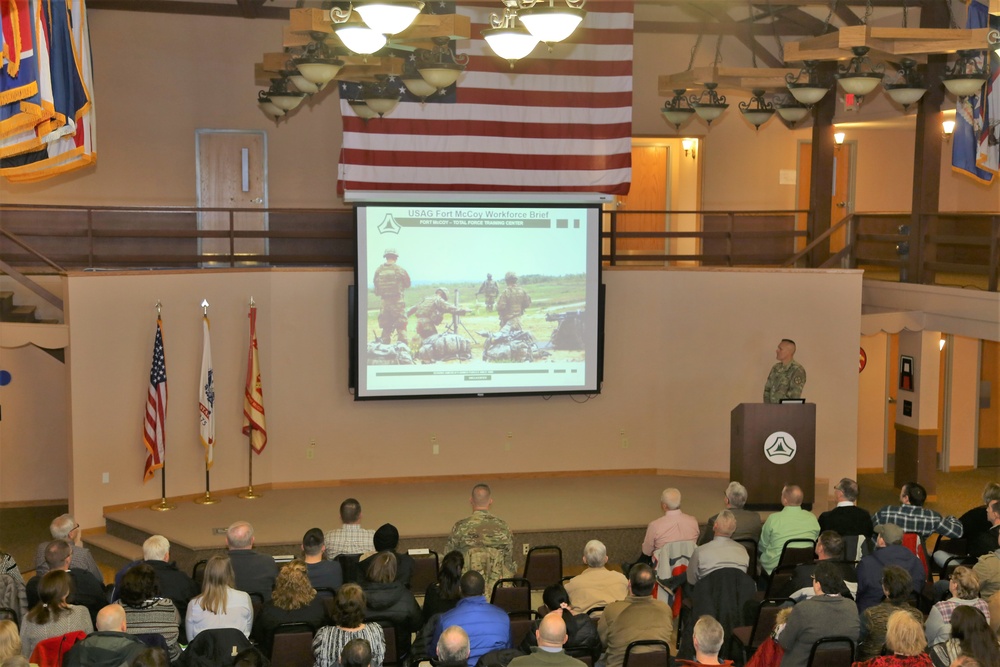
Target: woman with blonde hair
[964,587]
[293,600]
[10,641]
[220,605]
[52,616]
[904,637]
[349,614]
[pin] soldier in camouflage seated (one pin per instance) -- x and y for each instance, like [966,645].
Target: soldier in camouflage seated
[431,311]
[390,281]
[485,540]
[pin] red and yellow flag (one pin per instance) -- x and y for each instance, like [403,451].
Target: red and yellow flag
[253,398]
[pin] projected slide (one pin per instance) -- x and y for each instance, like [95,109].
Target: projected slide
[470,299]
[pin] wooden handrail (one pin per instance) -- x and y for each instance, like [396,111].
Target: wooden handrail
[819,239]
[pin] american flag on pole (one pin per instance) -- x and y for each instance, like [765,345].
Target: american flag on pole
[154,436]
[206,396]
[253,398]
[559,122]
[971,153]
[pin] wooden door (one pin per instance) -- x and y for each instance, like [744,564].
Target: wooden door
[842,187]
[648,193]
[232,173]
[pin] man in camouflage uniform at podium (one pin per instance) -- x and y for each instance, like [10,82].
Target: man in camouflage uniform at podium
[485,540]
[431,311]
[489,290]
[512,304]
[390,281]
[787,377]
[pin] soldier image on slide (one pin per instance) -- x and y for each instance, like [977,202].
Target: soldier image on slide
[489,290]
[512,304]
[390,281]
[431,311]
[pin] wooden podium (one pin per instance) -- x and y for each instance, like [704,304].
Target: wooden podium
[751,425]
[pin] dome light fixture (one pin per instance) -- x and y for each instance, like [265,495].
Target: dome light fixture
[807,92]
[967,76]
[757,110]
[908,88]
[552,22]
[677,110]
[508,40]
[388,18]
[860,77]
[712,107]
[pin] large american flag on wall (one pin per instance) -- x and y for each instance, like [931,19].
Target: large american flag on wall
[559,122]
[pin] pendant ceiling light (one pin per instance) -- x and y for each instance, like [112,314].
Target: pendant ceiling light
[805,86]
[967,76]
[677,110]
[908,88]
[508,40]
[860,76]
[552,22]
[388,18]
[709,105]
[757,110]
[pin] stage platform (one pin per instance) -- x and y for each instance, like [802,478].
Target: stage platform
[565,509]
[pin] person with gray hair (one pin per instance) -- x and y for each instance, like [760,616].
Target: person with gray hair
[748,523]
[173,584]
[65,527]
[708,638]
[453,647]
[847,518]
[722,552]
[255,572]
[673,526]
[597,586]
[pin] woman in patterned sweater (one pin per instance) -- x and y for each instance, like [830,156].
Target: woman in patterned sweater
[146,613]
[52,616]
[349,613]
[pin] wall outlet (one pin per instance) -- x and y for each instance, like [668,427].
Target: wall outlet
[525,548]
[105,478]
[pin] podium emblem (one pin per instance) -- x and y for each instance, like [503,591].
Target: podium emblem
[780,448]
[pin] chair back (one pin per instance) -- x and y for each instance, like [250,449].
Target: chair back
[543,566]
[767,614]
[349,567]
[832,652]
[751,546]
[391,654]
[153,640]
[198,573]
[325,593]
[779,580]
[425,571]
[797,552]
[50,652]
[291,645]
[521,623]
[512,595]
[915,544]
[647,653]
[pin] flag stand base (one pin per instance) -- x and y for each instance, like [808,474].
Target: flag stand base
[207,499]
[249,494]
[162,506]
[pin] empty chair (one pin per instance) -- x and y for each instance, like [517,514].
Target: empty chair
[797,552]
[291,645]
[751,546]
[521,623]
[391,654]
[198,573]
[543,566]
[752,636]
[515,597]
[657,656]
[779,580]
[425,571]
[832,652]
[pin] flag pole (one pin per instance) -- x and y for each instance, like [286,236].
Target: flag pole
[249,494]
[206,499]
[163,505]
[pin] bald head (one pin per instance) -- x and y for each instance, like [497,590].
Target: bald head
[791,496]
[240,535]
[111,618]
[453,645]
[551,631]
[482,498]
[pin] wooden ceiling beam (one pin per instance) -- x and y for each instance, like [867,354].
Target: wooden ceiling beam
[845,14]
[745,36]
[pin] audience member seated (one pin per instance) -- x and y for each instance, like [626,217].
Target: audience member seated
[889,550]
[721,552]
[152,656]
[356,653]
[453,647]
[255,572]
[913,517]
[748,523]
[390,602]
[53,615]
[387,539]
[827,614]
[323,573]
[294,600]
[975,522]
[830,548]
[897,585]
[638,616]
[350,538]
[9,566]
[847,518]
[547,650]
[110,646]
[673,526]
[791,523]
[84,590]
[905,643]
[971,637]
[579,628]
[65,527]
[485,540]
[173,584]
[987,568]
[10,640]
[147,613]
[964,589]
[219,605]
[349,615]
[708,638]
[444,593]
[487,625]
[986,541]
[597,586]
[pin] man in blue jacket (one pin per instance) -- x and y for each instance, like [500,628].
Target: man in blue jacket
[487,625]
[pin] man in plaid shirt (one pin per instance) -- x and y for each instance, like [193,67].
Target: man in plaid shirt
[350,538]
[913,517]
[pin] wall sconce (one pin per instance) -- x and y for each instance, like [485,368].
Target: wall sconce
[941,344]
[948,129]
[689,145]
[838,138]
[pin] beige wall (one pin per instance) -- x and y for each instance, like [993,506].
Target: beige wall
[961,400]
[872,403]
[683,348]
